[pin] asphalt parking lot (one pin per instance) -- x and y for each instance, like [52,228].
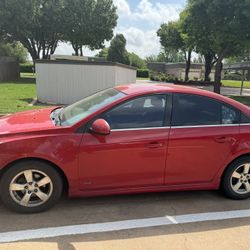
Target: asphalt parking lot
[212,234]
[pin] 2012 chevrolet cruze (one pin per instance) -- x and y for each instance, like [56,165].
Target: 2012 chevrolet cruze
[128,139]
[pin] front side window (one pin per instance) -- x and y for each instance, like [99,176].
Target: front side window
[142,112]
[80,110]
[194,110]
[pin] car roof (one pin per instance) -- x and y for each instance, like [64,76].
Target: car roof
[153,88]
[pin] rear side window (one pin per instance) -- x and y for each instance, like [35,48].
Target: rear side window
[194,110]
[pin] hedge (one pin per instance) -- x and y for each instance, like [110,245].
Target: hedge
[27,68]
[143,73]
[233,76]
[162,77]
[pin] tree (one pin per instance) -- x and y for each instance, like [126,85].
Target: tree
[37,24]
[154,58]
[117,50]
[136,61]
[201,42]
[103,53]
[167,57]
[242,56]
[88,23]
[222,25]
[14,49]
[173,39]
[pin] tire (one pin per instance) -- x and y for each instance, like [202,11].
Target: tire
[30,187]
[236,179]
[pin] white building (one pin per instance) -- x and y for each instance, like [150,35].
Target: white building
[67,81]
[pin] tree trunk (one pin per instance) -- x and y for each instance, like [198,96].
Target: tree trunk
[208,65]
[217,78]
[188,64]
[76,48]
[81,50]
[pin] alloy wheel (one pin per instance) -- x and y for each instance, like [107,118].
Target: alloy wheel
[240,179]
[31,188]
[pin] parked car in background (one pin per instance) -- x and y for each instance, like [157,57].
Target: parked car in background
[128,139]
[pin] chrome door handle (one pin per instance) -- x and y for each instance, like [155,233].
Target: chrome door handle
[223,139]
[154,145]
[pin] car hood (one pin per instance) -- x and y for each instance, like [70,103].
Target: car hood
[27,121]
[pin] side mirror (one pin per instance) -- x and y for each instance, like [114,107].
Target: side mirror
[101,127]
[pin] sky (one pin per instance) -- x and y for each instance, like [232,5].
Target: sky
[138,22]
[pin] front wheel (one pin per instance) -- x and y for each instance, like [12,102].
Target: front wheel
[236,180]
[30,187]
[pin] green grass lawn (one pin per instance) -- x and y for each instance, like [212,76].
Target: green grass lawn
[15,96]
[235,84]
[142,78]
[27,75]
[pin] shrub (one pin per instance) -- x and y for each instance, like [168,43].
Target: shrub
[27,68]
[143,73]
[233,76]
[162,77]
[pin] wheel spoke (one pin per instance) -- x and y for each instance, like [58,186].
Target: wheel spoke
[247,186]
[41,195]
[43,181]
[17,187]
[236,175]
[237,186]
[25,200]
[246,168]
[28,175]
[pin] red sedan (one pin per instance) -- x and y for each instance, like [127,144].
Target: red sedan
[128,139]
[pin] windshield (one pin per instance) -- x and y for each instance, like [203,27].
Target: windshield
[80,110]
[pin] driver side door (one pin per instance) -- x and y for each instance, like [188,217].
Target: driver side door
[134,153]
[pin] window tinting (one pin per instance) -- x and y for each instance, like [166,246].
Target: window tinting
[244,119]
[143,112]
[192,110]
[229,115]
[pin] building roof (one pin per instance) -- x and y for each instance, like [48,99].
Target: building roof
[181,65]
[237,66]
[77,62]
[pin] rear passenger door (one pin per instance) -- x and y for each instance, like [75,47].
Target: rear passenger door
[202,136]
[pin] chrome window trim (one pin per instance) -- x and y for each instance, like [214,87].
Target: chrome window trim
[245,124]
[168,127]
[208,126]
[136,129]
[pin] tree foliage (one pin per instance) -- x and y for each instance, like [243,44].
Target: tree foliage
[136,61]
[174,39]
[103,53]
[35,23]
[14,49]
[88,23]
[40,24]
[201,42]
[117,50]
[219,26]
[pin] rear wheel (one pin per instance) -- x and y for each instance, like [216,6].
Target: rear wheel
[236,180]
[30,186]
